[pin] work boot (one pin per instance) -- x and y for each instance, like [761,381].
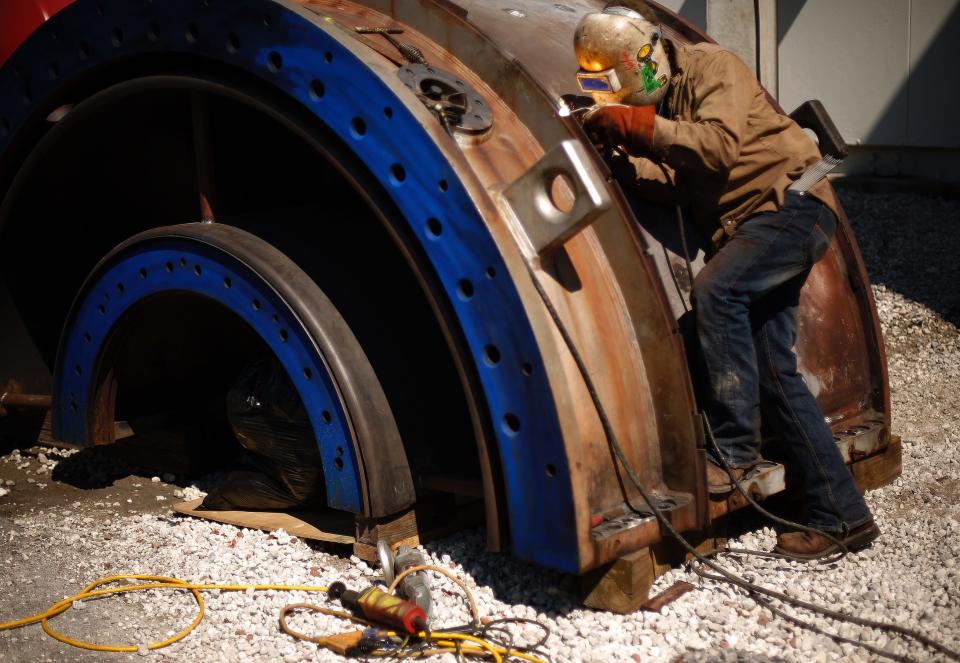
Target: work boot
[810,545]
[718,481]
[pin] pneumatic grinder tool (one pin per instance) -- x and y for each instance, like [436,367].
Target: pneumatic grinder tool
[414,587]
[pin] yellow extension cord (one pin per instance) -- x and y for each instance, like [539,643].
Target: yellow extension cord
[444,641]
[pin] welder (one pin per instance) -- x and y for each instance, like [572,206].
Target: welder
[696,126]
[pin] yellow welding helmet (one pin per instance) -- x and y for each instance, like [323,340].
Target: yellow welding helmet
[621,55]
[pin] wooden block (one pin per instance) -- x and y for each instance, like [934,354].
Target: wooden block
[880,469]
[621,586]
[393,528]
[668,554]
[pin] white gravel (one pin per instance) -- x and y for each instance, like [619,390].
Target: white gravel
[911,576]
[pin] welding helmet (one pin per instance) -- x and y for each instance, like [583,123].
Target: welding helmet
[621,56]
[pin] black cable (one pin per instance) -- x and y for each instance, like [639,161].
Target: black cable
[813,627]
[498,625]
[725,575]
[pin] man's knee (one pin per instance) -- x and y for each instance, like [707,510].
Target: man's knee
[708,290]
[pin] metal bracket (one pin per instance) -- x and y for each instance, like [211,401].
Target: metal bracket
[541,222]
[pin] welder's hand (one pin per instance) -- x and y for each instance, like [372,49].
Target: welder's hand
[616,125]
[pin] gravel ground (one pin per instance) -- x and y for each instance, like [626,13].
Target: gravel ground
[55,537]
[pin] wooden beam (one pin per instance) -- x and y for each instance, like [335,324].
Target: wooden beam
[879,469]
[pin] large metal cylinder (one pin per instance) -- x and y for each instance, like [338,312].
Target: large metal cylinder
[458,159]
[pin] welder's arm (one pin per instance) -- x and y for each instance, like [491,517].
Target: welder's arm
[710,142]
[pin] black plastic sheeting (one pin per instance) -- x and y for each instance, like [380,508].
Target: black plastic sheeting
[280,465]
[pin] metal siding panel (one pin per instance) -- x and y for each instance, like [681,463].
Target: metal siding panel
[851,55]
[932,93]
[695,11]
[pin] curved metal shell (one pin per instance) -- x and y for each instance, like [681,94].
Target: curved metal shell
[567,504]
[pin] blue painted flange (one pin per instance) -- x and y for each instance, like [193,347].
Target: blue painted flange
[187,266]
[294,51]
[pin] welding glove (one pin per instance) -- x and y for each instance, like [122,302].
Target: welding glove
[621,125]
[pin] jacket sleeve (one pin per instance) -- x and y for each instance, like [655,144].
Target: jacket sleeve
[710,142]
[650,181]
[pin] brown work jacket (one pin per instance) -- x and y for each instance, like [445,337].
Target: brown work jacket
[731,154]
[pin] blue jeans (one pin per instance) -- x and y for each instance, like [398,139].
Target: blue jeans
[745,301]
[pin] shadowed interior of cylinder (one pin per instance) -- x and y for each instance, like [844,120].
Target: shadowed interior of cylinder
[132,165]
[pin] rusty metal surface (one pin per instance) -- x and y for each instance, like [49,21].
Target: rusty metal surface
[25,401]
[607,276]
[839,345]
[590,291]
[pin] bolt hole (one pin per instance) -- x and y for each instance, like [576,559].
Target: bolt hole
[274,62]
[491,355]
[192,33]
[465,289]
[338,463]
[77,370]
[284,335]
[102,310]
[551,471]
[143,273]
[197,270]
[227,283]
[511,423]
[256,304]
[120,288]
[275,318]
[443,185]
[267,21]
[84,50]
[434,227]
[183,262]
[308,374]
[169,266]
[527,369]
[87,337]
[388,112]
[233,43]
[359,126]
[328,56]
[339,451]
[54,71]
[490,273]
[73,406]
[316,90]
[398,173]
[561,193]
[116,37]
[153,31]
[325,416]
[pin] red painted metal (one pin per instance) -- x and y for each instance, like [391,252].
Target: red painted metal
[18,18]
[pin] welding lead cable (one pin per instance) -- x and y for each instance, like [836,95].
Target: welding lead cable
[724,574]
